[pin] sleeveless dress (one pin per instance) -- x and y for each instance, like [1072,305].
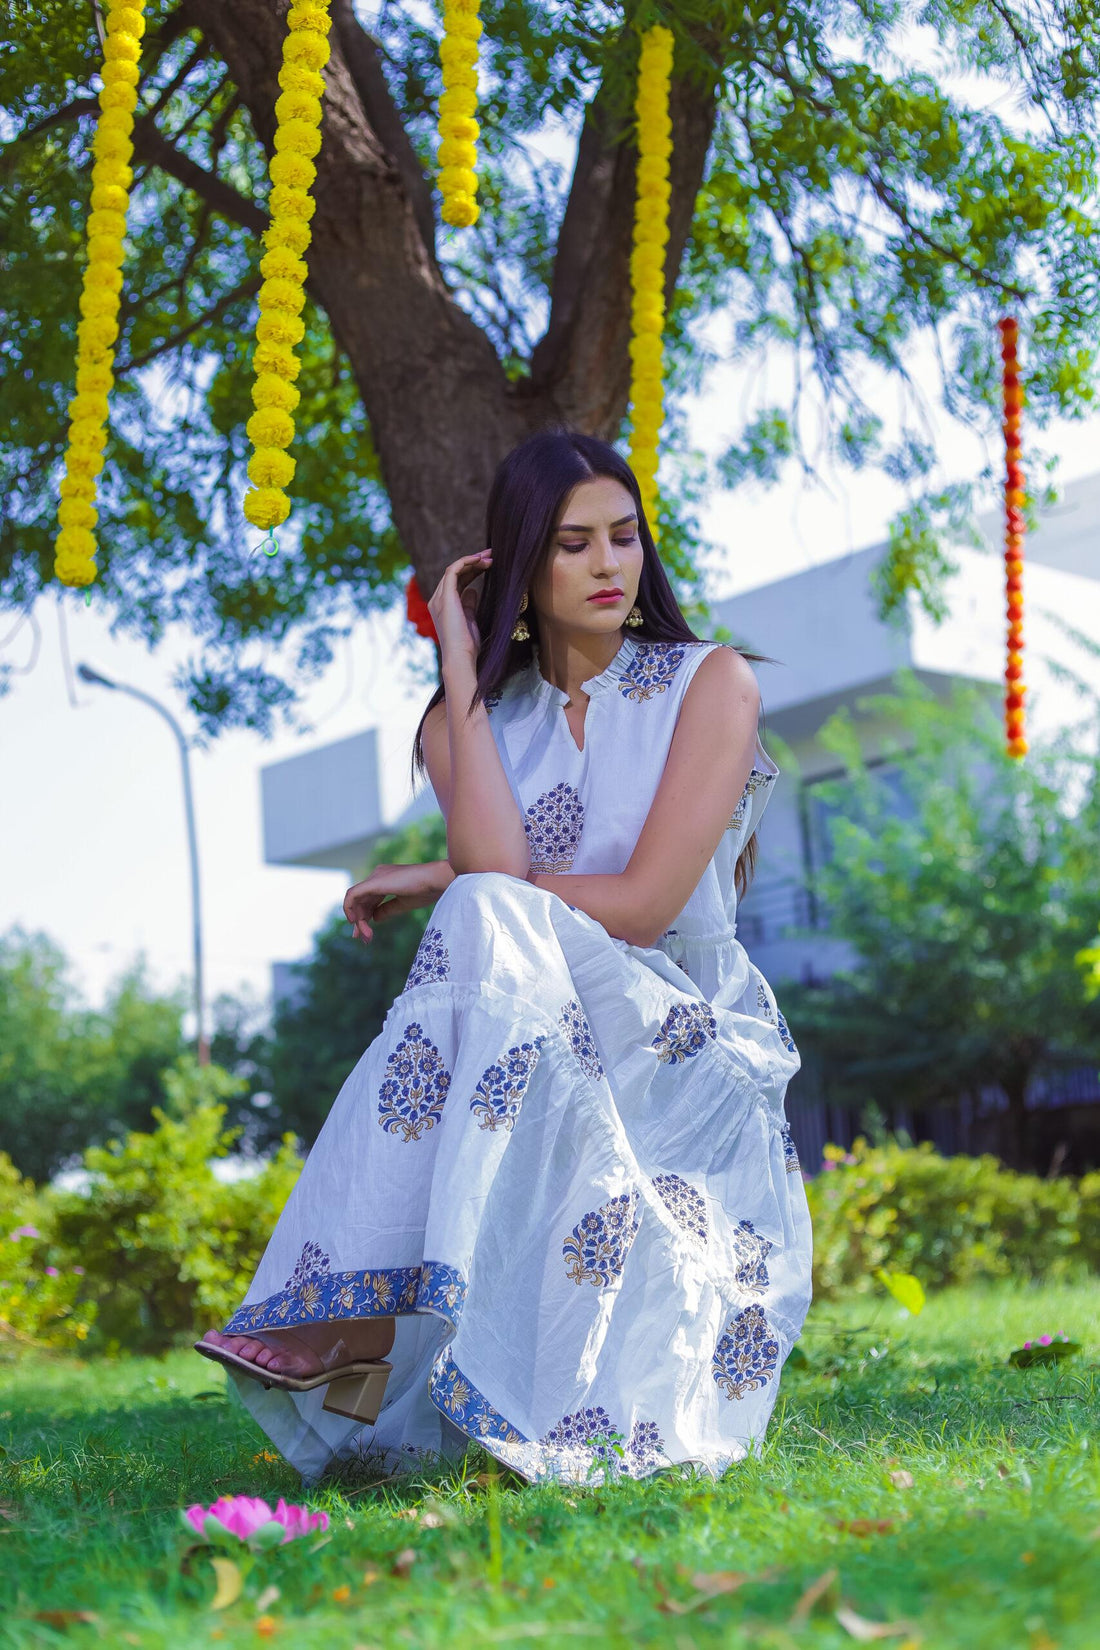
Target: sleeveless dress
[563,1165]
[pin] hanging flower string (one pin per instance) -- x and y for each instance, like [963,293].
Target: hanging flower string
[1015,690]
[112,176]
[458,130]
[282,295]
[647,263]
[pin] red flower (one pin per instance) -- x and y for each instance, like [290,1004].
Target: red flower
[416,610]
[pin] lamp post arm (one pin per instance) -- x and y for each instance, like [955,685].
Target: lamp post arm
[202,1046]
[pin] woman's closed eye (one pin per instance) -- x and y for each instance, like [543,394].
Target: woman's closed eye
[583,543]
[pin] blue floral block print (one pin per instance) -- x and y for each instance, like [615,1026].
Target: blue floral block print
[752,1251]
[686,1206]
[654,666]
[314,1293]
[410,1101]
[500,1091]
[685,1030]
[756,780]
[747,1355]
[784,1032]
[579,1032]
[469,1409]
[553,824]
[592,1432]
[432,962]
[599,1243]
[790,1153]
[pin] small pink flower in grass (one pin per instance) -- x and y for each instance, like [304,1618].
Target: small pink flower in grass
[78,1271]
[52,1272]
[248,1518]
[25,1231]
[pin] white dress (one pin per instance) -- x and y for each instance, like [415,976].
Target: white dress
[563,1164]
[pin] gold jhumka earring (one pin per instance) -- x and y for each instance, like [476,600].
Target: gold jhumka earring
[520,632]
[634,617]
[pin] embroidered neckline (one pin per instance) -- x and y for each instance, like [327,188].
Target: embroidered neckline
[537,684]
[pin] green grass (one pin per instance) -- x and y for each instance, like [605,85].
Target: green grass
[995,1543]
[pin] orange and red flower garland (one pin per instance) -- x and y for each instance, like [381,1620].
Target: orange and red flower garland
[1015,690]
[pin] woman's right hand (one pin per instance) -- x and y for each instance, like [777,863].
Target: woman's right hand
[452,605]
[390,889]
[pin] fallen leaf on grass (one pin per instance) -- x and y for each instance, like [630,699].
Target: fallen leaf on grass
[814,1591]
[863,1526]
[66,1618]
[266,1599]
[707,1586]
[230,1583]
[860,1628]
[901,1479]
[403,1563]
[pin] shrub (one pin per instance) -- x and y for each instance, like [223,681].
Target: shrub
[167,1247]
[38,1285]
[945,1219]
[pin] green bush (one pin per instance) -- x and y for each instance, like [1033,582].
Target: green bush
[167,1248]
[39,1285]
[945,1219]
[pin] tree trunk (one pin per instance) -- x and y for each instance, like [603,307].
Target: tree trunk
[442,411]
[1017,1141]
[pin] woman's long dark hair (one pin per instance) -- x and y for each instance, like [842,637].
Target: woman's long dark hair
[528,494]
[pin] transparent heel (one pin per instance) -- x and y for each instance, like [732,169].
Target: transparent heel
[359,1396]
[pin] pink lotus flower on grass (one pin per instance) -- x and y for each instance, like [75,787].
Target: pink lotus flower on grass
[247,1518]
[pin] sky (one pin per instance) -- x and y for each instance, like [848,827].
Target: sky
[92,831]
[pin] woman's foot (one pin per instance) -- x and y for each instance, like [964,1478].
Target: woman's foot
[309,1349]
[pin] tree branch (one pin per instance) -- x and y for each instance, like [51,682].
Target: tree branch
[244,289]
[151,145]
[364,62]
[586,343]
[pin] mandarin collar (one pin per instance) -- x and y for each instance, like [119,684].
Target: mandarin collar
[595,685]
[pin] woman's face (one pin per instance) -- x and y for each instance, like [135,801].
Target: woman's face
[594,547]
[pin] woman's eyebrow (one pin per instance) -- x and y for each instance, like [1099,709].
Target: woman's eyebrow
[571,526]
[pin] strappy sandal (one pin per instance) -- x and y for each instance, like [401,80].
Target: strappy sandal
[355,1388]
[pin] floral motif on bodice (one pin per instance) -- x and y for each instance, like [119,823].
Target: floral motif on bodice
[410,1101]
[685,1029]
[651,670]
[756,780]
[576,1027]
[686,1206]
[432,961]
[747,1354]
[502,1086]
[751,1251]
[553,824]
[596,1249]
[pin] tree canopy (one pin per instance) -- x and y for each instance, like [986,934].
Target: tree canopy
[829,198]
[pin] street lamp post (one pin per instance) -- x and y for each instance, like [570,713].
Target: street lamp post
[87,674]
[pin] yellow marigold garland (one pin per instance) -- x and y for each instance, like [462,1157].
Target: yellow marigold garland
[282,295]
[458,130]
[647,263]
[112,176]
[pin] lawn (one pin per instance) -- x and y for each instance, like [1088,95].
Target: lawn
[914,1488]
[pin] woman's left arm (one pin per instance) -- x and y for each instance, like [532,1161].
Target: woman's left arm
[708,766]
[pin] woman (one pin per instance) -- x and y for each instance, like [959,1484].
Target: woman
[556,1201]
